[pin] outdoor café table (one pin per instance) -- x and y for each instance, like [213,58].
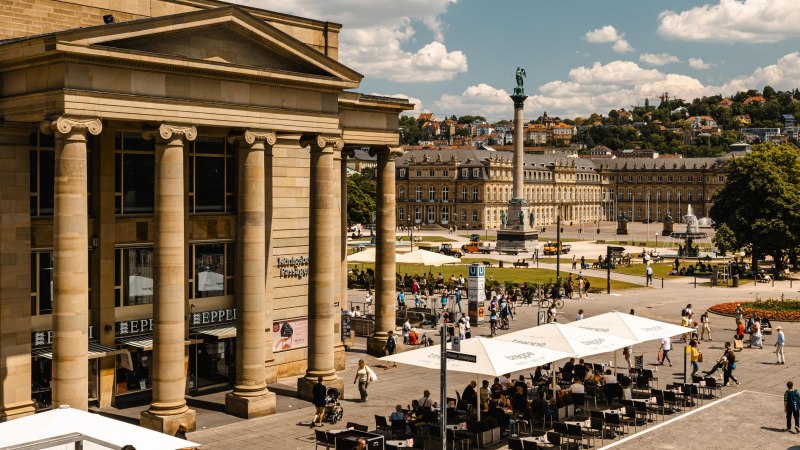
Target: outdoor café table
[540,440]
[613,411]
[399,443]
[582,423]
[453,427]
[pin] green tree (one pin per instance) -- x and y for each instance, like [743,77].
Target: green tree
[409,131]
[725,240]
[361,193]
[471,119]
[760,201]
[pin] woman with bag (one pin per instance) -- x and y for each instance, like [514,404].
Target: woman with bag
[364,375]
[791,406]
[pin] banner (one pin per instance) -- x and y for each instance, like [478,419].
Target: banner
[289,334]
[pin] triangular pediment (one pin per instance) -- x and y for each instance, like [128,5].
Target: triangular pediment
[226,36]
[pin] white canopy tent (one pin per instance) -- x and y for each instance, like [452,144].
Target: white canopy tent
[426,258]
[627,326]
[362,257]
[575,341]
[65,425]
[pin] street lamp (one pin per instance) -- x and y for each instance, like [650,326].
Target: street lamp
[656,239]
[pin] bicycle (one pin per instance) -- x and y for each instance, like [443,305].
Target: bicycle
[547,303]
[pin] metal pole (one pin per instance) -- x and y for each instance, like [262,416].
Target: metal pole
[686,362]
[662,282]
[443,406]
[558,246]
[608,269]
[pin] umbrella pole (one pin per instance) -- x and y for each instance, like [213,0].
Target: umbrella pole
[553,366]
[480,403]
[615,363]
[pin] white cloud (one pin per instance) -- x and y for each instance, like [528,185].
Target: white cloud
[658,59]
[418,107]
[783,75]
[479,99]
[698,63]
[749,21]
[613,73]
[374,33]
[609,34]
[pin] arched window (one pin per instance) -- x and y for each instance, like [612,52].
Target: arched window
[418,193]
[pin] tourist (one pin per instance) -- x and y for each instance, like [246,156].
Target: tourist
[484,394]
[401,300]
[586,286]
[467,332]
[445,294]
[390,348]
[738,313]
[569,286]
[791,405]
[458,299]
[695,356]
[551,314]
[363,375]
[574,261]
[368,301]
[583,263]
[318,393]
[627,353]
[352,312]
[580,370]
[730,366]
[492,322]
[723,359]
[358,312]
[579,316]
[406,330]
[580,287]
[462,329]
[649,275]
[469,396]
[686,323]
[705,323]
[779,345]
[497,389]
[666,346]
[755,335]
[397,415]
[426,402]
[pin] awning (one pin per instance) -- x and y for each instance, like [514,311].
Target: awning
[95,351]
[145,341]
[220,331]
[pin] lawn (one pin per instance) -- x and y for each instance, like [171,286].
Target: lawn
[639,242]
[502,275]
[660,270]
[418,238]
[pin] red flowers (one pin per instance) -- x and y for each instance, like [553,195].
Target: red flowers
[773,309]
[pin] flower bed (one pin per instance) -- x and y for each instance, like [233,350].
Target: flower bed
[772,309]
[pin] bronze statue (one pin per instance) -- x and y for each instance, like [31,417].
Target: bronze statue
[521,218]
[531,218]
[520,74]
[503,218]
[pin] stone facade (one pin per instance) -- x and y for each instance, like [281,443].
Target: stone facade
[175,235]
[470,188]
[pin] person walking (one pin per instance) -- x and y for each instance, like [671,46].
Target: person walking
[574,262]
[391,347]
[705,324]
[458,299]
[580,287]
[649,275]
[318,398]
[363,376]
[729,366]
[406,330]
[738,313]
[779,345]
[791,406]
[666,346]
[586,286]
[695,356]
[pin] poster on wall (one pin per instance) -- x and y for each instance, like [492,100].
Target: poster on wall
[289,334]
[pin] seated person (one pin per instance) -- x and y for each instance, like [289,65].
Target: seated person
[519,400]
[540,406]
[413,337]
[485,394]
[537,375]
[609,377]
[398,415]
[415,412]
[580,370]
[566,371]
[499,415]
[577,386]
[496,389]
[625,383]
[469,396]
[521,384]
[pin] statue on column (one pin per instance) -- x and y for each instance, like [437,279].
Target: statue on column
[531,218]
[519,90]
[503,218]
[521,218]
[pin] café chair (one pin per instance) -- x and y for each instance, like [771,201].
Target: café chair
[529,445]
[358,427]
[322,438]
[514,444]
[381,424]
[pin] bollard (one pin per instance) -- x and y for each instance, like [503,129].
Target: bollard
[662,282]
[695,281]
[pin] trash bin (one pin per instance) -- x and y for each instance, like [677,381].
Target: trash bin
[500,263]
[735,280]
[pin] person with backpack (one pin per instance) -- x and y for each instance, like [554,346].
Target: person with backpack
[791,405]
[390,348]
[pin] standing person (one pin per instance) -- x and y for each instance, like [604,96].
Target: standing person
[406,330]
[695,356]
[462,328]
[705,323]
[368,301]
[467,332]
[458,299]
[444,299]
[649,272]
[779,345]
[586,286]
[391,347]
[666,346]
[401,300]
[579,316]
[363,375]
[318,397]
[583,262]
[791,405]
[738,313]
[627,353]
[551,314]
[580,286]
[492,322]
[687,323]
[574,261]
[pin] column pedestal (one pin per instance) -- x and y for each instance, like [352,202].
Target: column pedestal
[169,424]
[250,407]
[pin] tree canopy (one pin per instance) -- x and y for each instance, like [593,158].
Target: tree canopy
[760,201]
[361,193]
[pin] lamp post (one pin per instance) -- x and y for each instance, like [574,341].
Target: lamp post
[656,240]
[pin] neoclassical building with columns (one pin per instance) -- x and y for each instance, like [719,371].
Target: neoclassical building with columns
[173,197]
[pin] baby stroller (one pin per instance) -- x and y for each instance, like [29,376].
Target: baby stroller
[333,410]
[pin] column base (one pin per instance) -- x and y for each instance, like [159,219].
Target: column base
[376,344]
[169,424]
[250,407]
[305,386]
[16,411]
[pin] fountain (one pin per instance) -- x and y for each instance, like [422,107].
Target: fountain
[692,233]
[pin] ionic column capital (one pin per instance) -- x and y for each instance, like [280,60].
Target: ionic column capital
[170,132]
[389,152]
[68,125]
[320,143]
[253,136]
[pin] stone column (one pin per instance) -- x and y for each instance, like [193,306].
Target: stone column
[346,153]
[338,300]
[168,408]
[519,150]
[385,268]
[320,277]
[71,261]
[15,271]
[250,397]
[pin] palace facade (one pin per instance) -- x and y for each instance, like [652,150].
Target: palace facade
[470,188]
[173,191]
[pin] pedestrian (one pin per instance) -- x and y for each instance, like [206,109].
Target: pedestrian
[649,272]
[574,261]
[580,287]
[666,346]
[696,356]
[318,398]
[583,262]
[391,347]
[579,316]
[492,322]
[458,299]
[738,313]
[368,301]
[627,353]
[791,405]
[462,329]
[401,300]
[586,286]
[444,299]
[779,345]
[705,323]
[363,377]
[406,330]
[467,332]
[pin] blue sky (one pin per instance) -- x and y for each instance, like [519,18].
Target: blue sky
[581,56]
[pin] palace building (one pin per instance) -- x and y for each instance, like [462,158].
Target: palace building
[469,188]
[173,191]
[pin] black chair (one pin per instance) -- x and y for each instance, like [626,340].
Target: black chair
[398,428]
[711,386]
[642,411]
[357,427]
[614,421]
[454,439]
[542,411]
[579,400]
[591,393]
[693,392]
[515,444]
[554,439]
[597,427]
[671,399]
[648,373]
[596,414]
[576,432]
[381,424]
[629,418]
[659,406]
[529,445]
[322,438]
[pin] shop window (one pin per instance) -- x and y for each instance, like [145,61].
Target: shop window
[134,371]
[134,272]
[41,283]
[210,176]
[211,272]
[135,168]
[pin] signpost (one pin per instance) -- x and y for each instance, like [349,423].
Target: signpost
[461,357]
[611,252]
[476,293]
[454,354]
